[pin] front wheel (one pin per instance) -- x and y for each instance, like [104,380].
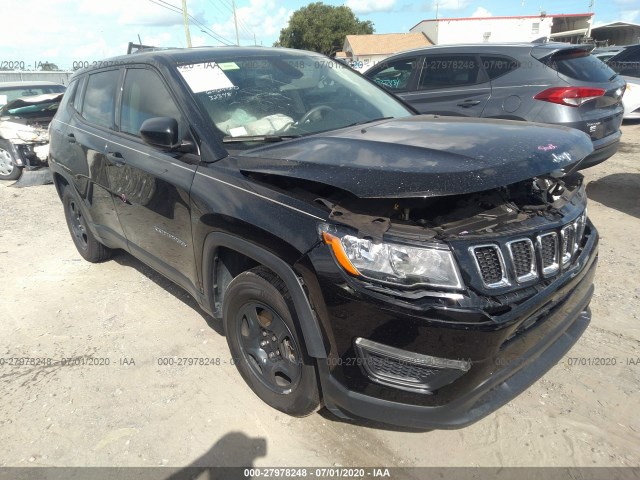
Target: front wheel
[88,246]
[260,325]
[8,168]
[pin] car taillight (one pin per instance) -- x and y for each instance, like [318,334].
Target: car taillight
[571,96]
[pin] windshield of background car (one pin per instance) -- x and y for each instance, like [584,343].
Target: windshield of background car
[286,95]
[11,93]
[46,109]
[627,62]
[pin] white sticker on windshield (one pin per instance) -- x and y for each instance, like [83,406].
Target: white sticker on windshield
[229,66]
[203,77]
[238,131]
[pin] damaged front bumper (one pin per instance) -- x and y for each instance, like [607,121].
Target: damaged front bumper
[28,144]
[30,156]
[493,355]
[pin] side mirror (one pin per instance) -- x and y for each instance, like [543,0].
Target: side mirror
[160,132]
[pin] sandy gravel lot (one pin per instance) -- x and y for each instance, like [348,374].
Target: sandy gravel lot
[135,412]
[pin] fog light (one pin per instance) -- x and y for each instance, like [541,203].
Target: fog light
[406,370]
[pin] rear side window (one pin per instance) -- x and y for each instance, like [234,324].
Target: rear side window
[145,96]
[580,66]
[99,98]
[496,66]
[69,96]
[394,75]
[450,71]
[77,101]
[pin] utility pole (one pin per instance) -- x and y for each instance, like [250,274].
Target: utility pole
[255,42]
[185,17]
[235,20]
[437,21]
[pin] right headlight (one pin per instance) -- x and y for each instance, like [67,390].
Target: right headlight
[392,263]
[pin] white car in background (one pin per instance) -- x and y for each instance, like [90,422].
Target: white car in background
[627,63]
[631,99]
[26,108]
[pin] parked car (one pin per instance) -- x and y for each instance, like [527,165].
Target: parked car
[605,53]
[26,111]
[553,83]
[627,64]
[412,270]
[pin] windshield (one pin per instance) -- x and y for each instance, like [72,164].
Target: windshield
[287,95]
[9,94]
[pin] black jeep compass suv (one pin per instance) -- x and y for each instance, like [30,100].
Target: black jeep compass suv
[415,270]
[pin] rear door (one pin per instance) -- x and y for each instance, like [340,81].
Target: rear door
[151,185]
[450,84]
[88,126]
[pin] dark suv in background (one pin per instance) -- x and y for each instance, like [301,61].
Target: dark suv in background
[553,83]
[414,270]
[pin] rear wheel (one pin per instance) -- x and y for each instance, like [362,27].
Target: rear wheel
[8,169]
[260,325]
[90,248]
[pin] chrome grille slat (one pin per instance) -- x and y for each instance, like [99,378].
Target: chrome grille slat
[568,244]
[491,265]
[523,259]
[548,245]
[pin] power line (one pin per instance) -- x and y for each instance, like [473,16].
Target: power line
[247,31]
[216,36]
[175,9]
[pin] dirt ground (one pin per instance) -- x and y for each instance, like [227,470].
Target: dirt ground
[135,412]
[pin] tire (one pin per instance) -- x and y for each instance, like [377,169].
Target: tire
[259,320]
[8,168]
[90,248]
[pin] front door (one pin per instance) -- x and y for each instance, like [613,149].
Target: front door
[151,186]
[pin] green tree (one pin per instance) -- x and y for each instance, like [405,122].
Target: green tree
[321,28]
[49,67]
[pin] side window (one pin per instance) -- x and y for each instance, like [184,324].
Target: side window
[394,75]
[99,98]
[450,71]
[496,66]
[145,96]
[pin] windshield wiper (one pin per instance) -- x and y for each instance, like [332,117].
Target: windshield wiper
[370,121]
[258,138]
[613,76]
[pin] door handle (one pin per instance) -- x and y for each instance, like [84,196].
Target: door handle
[71,138]
[469,103]
[116,159]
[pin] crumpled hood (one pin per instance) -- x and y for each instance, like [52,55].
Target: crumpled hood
[423,156]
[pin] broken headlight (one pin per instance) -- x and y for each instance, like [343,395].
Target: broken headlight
[392,263]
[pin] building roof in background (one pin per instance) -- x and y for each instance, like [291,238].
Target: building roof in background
[545,15]
[385,43]
[617,25]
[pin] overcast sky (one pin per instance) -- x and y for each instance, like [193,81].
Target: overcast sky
[65,32]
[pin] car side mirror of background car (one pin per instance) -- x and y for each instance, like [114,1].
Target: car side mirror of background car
[160,132]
